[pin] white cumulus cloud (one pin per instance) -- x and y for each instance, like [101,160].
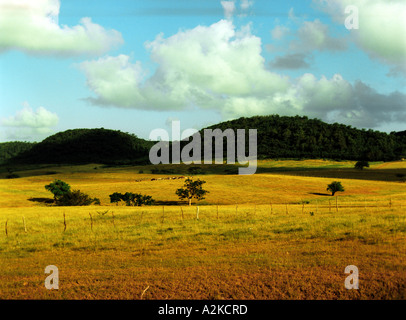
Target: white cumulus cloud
[382,27]
[28,123]
[221,68]
[32,27]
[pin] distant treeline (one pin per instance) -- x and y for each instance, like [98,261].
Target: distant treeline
[9,150]
[278,137]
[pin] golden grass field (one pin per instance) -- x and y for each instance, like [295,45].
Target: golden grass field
[277,234]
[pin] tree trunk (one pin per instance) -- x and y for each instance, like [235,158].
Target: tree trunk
[190,201]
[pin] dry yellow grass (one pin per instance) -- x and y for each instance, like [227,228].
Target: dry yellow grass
[258,249]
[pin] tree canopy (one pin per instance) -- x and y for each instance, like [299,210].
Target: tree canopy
[192,189]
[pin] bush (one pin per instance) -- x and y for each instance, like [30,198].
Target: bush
[132,199]
[76,198]
[361,164]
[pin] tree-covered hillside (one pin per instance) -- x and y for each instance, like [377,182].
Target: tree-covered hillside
[9,150]
[301,137]
[278,137]
[87,146]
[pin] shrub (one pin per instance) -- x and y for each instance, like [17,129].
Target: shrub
[361,164]
[76,198]
[132,199]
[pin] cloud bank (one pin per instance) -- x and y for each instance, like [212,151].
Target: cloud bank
[32,27]
[221,68]
[382,27]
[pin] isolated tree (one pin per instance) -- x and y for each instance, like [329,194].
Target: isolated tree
[192,189]
[58,188]
[361,164]
[334,187]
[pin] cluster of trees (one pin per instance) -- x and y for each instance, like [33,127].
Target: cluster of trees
[131,199]
[64,196]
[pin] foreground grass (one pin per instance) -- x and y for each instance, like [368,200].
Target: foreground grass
[244,252]
[274,235]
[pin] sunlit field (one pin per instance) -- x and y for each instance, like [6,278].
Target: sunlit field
[277,234]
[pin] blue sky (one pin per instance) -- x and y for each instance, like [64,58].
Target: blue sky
[137,65]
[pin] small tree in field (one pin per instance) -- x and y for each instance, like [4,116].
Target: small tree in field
[361,165]
[192,189]
[334,187]
[58,188]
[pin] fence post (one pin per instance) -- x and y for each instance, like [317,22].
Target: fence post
[91,221]
[64,222]
[197,213]
[25,226]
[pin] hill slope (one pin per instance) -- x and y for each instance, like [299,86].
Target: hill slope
[278,137]
[300,137]
[87,146]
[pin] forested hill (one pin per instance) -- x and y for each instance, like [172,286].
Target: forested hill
[278,137]
[301,137]
[87,146]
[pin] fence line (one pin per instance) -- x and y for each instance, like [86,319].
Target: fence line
[217,211]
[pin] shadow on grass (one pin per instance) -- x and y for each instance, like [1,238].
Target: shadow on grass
[170,203]
[320,194]
[42,200]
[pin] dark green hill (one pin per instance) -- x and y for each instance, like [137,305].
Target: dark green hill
[81,146]
[278,137]
[301,137]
